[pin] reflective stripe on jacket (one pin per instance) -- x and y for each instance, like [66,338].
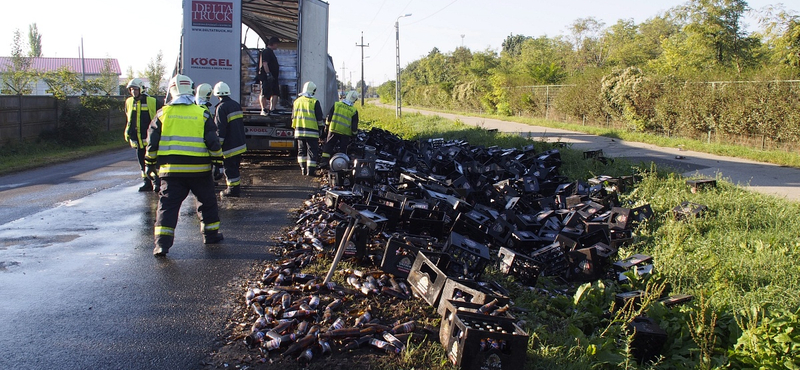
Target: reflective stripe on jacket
[230,127]
[304,118]
[183,141]
[342,119]
[136,128]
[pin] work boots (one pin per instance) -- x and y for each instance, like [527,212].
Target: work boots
[148,186]
[212,238]
[303,169]
[160,251]
[231,191]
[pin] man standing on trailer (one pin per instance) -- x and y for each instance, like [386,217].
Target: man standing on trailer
[269,69]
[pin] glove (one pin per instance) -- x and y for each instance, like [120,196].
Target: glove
[218,171]
[151,171]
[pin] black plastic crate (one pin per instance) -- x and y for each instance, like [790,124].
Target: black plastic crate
[427,276]
[518,265]
[523,240]
[472,292]
[552,258]
[474,224]
[398,257]
[334,197]
[479,342]
[426,222]
[584,265]
[648,339]
[468,258]
[451,307]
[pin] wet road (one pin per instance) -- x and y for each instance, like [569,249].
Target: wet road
[79,287]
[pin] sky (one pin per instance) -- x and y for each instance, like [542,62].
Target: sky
[134,32]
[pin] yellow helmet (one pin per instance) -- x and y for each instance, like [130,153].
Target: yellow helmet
[222,89]
[180,85]
[309,88]
[203,91]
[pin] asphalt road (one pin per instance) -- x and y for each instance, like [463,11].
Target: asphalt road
[779,181]
[80,288]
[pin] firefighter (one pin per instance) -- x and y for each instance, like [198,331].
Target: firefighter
[230,128]
[140,108]
[183,149]
[342,125]
[306,116]
[203,96]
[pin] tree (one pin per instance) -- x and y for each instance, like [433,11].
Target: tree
[108,82]
[587,43]
[35,41]
[512,44]
[780,32]
[129,74]
[62,82]
[155,73]
[17,77]
[716,27]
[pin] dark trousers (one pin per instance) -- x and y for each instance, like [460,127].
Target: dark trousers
[307,152]
[232,174]
[174,191]
[140,156]
[336,143]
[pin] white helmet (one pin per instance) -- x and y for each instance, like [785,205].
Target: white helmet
[222,89]
[203,91]
[180,85]
[309,88]
[351,97]
[136,82]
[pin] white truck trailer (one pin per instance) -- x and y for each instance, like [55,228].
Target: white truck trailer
[213,49]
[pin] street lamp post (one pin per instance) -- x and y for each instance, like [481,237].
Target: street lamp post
[397,82]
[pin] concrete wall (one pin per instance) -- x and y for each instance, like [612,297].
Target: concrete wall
[25,117]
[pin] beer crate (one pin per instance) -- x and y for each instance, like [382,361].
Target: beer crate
[472,292]
[451,307]
[398,257]
[401,252]
[479,341]
[518,265]
[427,276]
[468,258]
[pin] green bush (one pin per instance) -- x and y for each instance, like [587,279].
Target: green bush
[82,124]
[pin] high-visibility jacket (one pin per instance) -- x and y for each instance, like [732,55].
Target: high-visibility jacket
[304,118]
[230,127]
[183,141]
[341,121]
[140,112]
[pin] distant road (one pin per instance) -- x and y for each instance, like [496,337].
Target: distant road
[780,181]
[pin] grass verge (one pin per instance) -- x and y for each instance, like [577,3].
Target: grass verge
[779,157]
[736,258]
[32,154]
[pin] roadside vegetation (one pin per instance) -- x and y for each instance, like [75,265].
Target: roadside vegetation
[692,72]
[737,260]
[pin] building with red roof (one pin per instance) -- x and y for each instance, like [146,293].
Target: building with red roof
[91,68]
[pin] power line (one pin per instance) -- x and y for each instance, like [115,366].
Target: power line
[434,13]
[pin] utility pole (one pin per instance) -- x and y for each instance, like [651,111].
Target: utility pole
[343,76]
[362,46]
[397,103]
